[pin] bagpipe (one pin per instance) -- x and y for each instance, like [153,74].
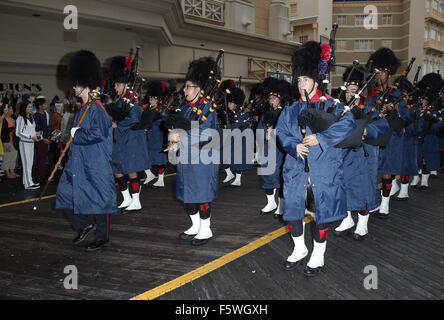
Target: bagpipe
[208,95]
[319,120]
[271,117]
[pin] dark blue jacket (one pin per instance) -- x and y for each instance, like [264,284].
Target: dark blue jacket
[87,183]
[361,173]
[130,150]
[274,180]
[157,142]
[197,181]
[241,121]
[325,162]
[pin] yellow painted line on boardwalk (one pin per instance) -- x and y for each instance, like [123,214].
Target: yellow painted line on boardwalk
[50,196]
[213,265]
[25,201]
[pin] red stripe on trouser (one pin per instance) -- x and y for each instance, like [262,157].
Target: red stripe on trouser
[161,170]
[135,186]
[323,233]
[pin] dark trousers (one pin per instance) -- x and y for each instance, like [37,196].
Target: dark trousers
[81,221]
[42,153]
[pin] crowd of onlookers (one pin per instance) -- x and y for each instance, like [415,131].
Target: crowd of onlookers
[34,132]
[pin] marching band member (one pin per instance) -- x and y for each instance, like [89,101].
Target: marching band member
[130,152]
[361,165]
[278,93]
[428,149]
[325,174]
[157,137]
[390,157]
[197,182]
[86,186]
[241,121]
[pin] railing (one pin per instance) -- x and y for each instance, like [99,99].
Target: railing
[211,11]
[260,68]
[434,44]
[433,14]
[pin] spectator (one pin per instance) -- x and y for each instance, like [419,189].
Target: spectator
[10,99]
[2,115]
[7,126]
[25,130]
[42,128]
[53,103]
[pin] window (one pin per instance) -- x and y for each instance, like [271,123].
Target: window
[341,44]
[433,34]
[387,43]
[359,20]
[364,45]
[387,19]
[424,69]
[303,39]
[342,20]
[435,4]
[426,34]
[293,9]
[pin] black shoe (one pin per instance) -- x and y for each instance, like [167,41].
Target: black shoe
[383,216]
[310,272]
[291,265]
[184,236]
[342,233]
[96,245]
[199,242]
[401,199]
[358,237]
[84,233]
[263,213]
[415,186]
[278,216]
[424,188]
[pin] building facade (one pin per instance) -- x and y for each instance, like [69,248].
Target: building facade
[411,28]
[36,43]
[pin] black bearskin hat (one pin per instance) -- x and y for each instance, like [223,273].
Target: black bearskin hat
[257,89]
[269,83]
[85,70]
[385,59]
[305,61]
[156,89]
[356,78]
[227,84]
[237,96]
[430,85]
[200,70]
[120,69]
[280,88]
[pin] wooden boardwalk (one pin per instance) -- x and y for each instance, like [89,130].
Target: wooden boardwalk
[407,250]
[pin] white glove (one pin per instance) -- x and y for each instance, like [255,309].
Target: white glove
[73,131]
